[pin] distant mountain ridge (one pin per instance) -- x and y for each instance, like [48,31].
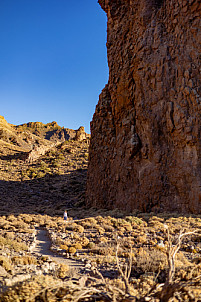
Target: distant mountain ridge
[50,131]
[43,167]
[35,137]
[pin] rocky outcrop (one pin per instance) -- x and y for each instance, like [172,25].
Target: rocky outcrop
[145,148]
[50,131]
[36,152]
[34,139]
[81,134]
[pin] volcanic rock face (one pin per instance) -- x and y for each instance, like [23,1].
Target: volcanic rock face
[145,148]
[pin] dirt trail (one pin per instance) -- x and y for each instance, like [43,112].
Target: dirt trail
[43,245]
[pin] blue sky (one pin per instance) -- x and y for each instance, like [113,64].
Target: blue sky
[53,61]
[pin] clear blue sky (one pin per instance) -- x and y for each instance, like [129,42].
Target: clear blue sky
[53,61]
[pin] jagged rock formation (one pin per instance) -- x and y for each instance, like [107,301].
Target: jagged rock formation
[81,134]
[34,139]
[145,148]
[41,175]
[36,152]
[56,138]
[50,131]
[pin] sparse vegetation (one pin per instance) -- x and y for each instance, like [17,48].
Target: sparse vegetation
[137,257]
[162,267]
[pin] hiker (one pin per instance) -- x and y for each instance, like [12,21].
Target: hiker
[65,215]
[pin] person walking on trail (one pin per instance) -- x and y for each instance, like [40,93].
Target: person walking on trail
[65,215]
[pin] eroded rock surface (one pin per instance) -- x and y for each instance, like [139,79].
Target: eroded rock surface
[145,148]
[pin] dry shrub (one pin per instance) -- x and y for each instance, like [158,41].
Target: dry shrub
[114,222]
[24,260]
[5,263]
[2,241]
[79,229]
[44,258]
[63,247]
[84,241]
[91,245]
[63,270]
[141,238]
[100,219]
[102,240]
[20,225]
[107,221]
[76,236]
[41,221]
[78,246]
[9,235]
[135,220]
[71,226]
[32,290]
[26,218]
[100,230]
[58,241]
[86,224]
[127,227]
[110,259]
[52,225]
[5,225]
[121,229]
[188,272]
[121,252]
[13,244]
[11,218]
[91,220]
[67,242]
[71,250]
[181,260]
[155,219]
[107,227]
[119,284]
[99,260]
[18,247]
[149,261]
[104,250]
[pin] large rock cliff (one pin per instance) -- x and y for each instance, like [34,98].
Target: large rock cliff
[145,148]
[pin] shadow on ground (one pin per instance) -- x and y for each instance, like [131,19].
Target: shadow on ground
[47,195]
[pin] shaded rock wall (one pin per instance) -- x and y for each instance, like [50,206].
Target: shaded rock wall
[145,148]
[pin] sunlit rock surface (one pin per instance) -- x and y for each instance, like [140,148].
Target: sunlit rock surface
[145,148]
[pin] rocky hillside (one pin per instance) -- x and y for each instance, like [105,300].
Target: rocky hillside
[13,137]
[145,145]
[27,136]
[40,175]
[51,131]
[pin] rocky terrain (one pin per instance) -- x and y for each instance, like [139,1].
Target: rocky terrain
[145,134]
[105,256]
[144,157]
[98,254]
[37,174]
